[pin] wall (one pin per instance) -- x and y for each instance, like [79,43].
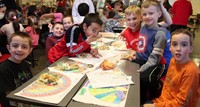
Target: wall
[195,6]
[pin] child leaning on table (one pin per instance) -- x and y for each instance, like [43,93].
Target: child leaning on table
[181,86]
[57,34]
[77,39]
[67,22]
[151,44]
[15,71]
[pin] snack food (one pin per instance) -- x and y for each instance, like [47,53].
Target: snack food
[67,67]
[125,56]
[119,45]
[104,47]
[49,78]
[89,65]
[107,65]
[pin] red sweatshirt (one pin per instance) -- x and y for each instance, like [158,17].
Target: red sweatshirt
[72,43]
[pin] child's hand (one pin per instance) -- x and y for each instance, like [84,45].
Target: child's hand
[50,27]
[95,53]
[143,68]
[3,9]
[92,38]
[133,55]
[121,37]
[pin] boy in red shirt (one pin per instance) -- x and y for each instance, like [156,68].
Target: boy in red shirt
[77,39]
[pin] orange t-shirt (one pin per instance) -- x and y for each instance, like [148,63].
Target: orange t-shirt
[181,86]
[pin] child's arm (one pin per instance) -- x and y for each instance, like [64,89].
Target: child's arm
[58,50]
[49,15]
[166,15]
[50,27]
[157,52]
[75,42]
[2,30]
[83,46]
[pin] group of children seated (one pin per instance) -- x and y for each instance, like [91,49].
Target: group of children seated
[143,35]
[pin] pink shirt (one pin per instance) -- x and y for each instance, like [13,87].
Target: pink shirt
[33,34]
[58,17]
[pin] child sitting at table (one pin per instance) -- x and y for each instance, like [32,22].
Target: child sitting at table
[67,22]
[15,71]
[77,39]
[57,34]
[133,18]
[151,44]
[182,83]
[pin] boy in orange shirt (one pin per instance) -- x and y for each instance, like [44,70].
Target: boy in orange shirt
[181,86]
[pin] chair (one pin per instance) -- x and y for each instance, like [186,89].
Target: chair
[3,58]
[31,57]
[198,18]
[118,29]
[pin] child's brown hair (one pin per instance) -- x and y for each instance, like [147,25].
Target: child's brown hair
[22,35]
[57,23]
[132,10]
[69,17]
[148,3]
[183,31]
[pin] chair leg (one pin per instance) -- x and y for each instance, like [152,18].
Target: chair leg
[32,59]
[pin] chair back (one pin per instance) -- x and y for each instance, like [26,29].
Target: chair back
[118,29]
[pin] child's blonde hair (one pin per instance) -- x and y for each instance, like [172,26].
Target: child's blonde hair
[22,35]
[133,10]
[148,3]
[183,31]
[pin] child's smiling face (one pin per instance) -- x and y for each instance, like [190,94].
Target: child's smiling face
[58,30]
[67,22]
[133,21]
[19,49]
[151,15]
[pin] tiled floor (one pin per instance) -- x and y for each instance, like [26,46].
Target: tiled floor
[40,55]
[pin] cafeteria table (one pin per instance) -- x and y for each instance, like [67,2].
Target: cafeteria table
[129,68]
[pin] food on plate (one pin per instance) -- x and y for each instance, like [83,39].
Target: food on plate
[107,65]
[67,66]
[89,65]
[49,78]
[125,56]
[119,45]
[104,47]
